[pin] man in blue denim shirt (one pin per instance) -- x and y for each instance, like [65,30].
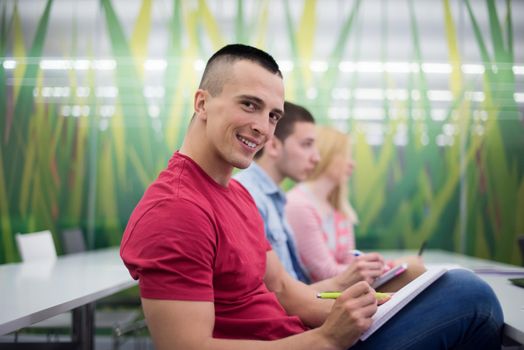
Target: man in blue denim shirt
[271,200]
[291,153]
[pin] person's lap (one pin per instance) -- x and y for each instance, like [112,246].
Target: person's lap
[458,309]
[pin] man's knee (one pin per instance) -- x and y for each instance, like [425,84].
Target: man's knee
[470,291]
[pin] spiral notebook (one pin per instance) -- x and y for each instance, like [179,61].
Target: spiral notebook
[402,298]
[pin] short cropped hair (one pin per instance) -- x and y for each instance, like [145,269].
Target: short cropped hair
[293,114]
[218,66]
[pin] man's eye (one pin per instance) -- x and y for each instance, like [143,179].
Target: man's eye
[249,105]
[274,117]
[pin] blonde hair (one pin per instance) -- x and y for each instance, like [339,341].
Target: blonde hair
[330,143]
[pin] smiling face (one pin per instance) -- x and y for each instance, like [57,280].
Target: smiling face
[239,119]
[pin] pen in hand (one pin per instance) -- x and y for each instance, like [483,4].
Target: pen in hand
[422,247]
[381,297]
[356,252]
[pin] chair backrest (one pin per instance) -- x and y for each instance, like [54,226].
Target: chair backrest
[73,241]
[36,246]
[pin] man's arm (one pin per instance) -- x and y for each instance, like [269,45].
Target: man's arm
[188,325]
[300,299]
[293,294]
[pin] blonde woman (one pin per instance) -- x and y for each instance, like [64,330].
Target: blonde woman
[321,216]
[318,211]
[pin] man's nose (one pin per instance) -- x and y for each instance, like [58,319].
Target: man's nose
[261,126]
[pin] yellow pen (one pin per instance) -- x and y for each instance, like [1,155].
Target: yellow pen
[333,295]
[328,295]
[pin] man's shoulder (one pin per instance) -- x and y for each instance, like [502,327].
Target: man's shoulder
[186,178]
[248,183]
[256,181]
[178,188]
[247,176]
[253,187]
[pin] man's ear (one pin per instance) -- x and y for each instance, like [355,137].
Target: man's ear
[199,104]
[273,147]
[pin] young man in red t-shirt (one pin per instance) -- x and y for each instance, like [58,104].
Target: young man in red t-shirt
[208,277]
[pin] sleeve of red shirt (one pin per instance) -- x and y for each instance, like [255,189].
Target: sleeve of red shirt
[170,249]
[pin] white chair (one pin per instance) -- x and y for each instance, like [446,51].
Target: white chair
[36,246]
[39,247]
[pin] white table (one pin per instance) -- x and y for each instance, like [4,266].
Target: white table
[510,297]
[32,292]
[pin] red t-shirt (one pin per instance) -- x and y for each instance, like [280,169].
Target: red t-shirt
[190,238]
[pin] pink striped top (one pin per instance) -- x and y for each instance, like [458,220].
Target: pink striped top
[324,242]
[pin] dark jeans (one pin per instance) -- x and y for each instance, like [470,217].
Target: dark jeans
[458,311]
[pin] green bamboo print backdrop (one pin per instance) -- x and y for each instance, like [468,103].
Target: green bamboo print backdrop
[78,161]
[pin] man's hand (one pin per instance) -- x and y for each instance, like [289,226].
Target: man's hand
[350,316]
[366,267]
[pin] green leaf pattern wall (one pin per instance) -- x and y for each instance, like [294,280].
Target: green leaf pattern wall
[83,132]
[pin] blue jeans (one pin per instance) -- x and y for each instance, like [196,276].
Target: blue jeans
[458,311]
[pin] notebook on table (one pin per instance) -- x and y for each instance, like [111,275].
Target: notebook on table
[402,298]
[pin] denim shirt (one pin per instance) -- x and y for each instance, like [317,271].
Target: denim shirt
[271,201]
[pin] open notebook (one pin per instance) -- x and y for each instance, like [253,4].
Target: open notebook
[403,297]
